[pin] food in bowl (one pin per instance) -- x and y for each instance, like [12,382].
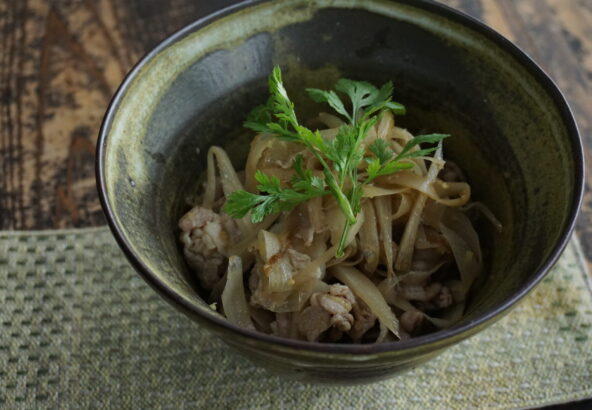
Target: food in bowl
[512,133]
[352,230]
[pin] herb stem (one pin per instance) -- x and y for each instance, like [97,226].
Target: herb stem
[344,234]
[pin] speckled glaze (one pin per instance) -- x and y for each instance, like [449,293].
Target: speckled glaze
[512,132]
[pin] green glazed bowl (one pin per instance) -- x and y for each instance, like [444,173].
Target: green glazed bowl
[513,135]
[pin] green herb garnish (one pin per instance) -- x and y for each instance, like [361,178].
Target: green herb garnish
[339,157]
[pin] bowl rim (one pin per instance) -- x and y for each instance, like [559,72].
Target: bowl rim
[443,337]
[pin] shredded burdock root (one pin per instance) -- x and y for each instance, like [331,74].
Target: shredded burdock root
[355,233]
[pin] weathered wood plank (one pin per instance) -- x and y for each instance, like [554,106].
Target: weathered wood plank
[60,63]
[57,79]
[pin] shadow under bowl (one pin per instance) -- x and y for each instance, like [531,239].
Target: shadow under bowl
[513,135]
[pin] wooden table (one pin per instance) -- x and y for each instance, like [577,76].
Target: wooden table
[61,61]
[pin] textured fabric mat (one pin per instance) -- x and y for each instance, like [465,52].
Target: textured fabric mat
[80,329]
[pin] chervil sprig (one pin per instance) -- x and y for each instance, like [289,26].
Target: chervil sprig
[386,162]
[277,199]
[288,128]
[365,99]
[339,157]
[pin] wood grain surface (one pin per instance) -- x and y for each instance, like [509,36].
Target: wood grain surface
[62,60]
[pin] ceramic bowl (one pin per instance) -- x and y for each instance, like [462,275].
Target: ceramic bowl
[513,135]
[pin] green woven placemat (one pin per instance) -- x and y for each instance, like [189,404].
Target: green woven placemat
[78,328]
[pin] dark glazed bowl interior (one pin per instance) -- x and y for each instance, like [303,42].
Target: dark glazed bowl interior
[513,135]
